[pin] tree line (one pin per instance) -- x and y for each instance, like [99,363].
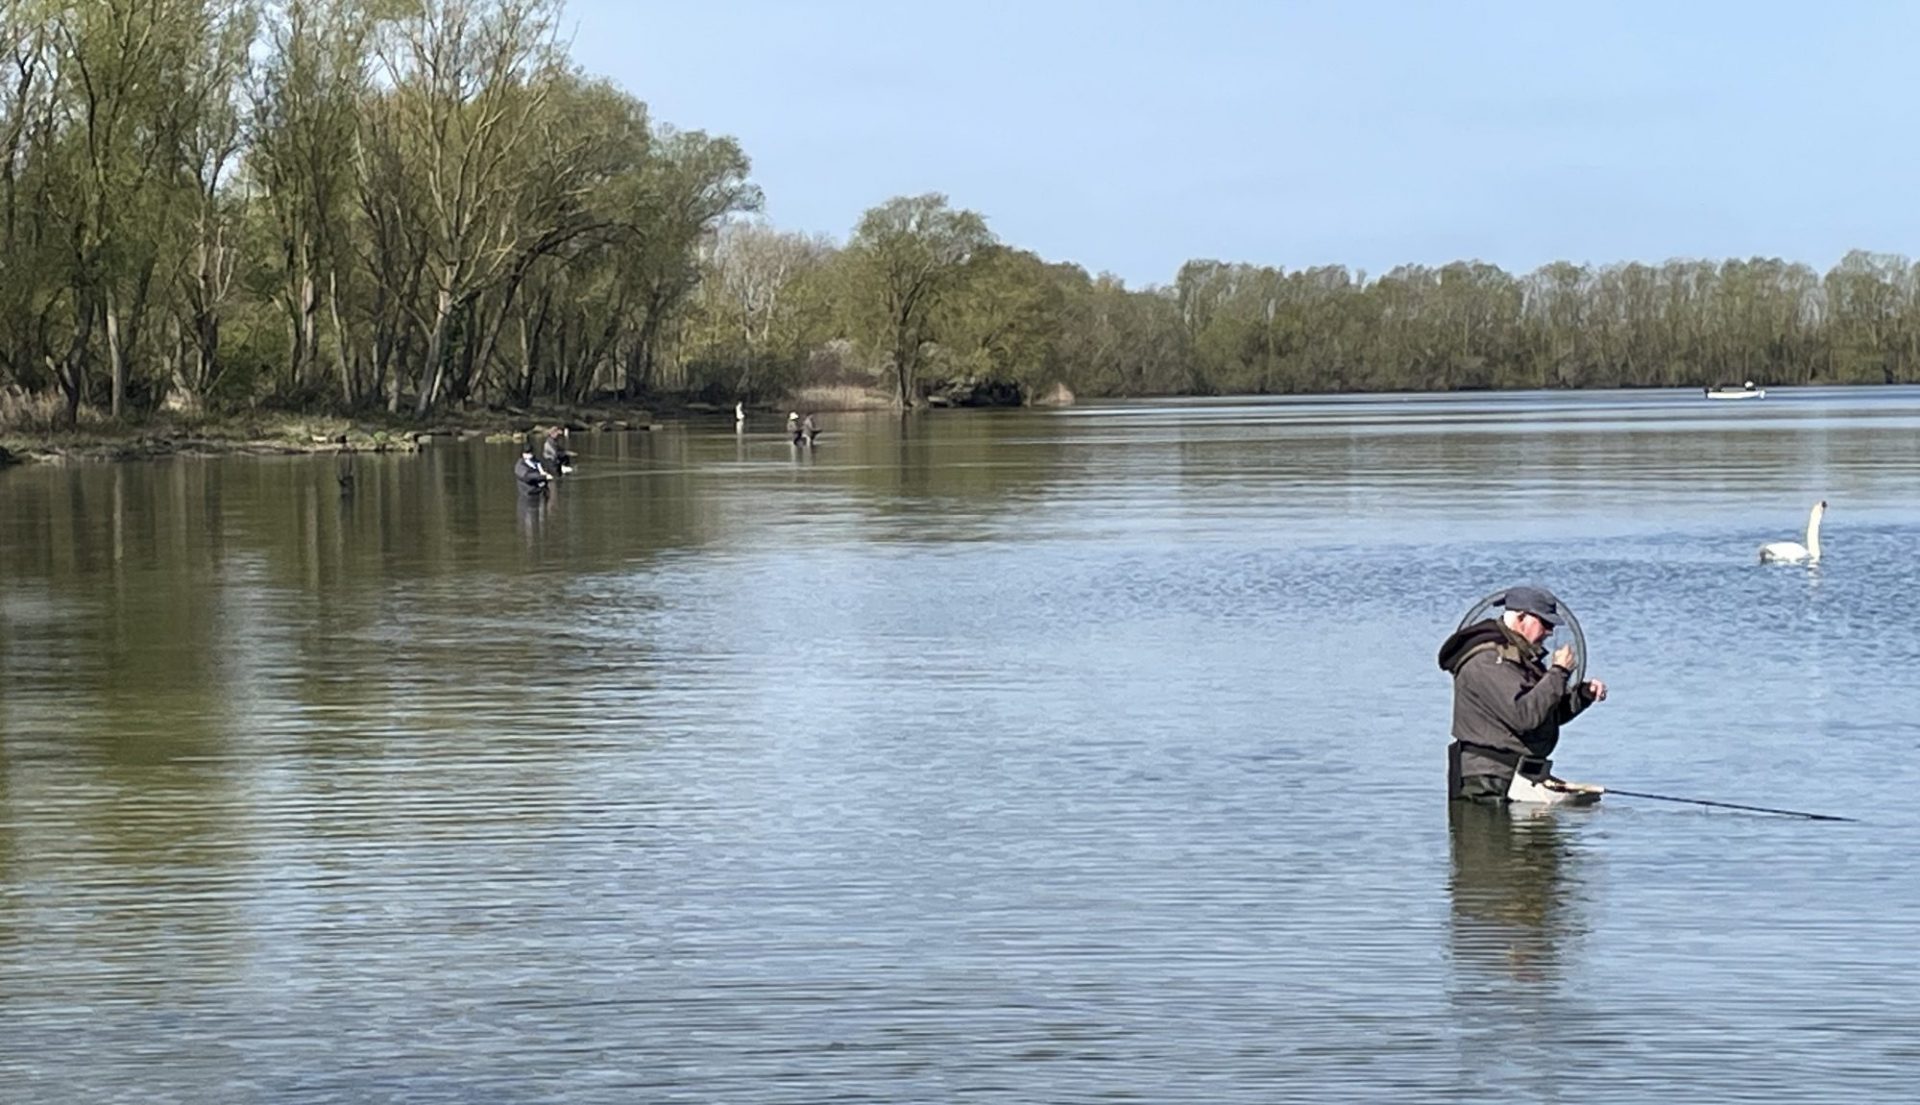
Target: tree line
[1007,317]
[335,203]
[406,205]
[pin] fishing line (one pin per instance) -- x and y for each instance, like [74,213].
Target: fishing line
[1730,805]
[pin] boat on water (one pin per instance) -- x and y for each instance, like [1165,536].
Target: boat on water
[1747,391]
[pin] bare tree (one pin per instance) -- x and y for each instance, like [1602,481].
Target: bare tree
[468,82]
[755,267]
[306,101]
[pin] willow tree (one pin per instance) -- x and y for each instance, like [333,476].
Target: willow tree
[908,256]
[753,302]
[306,102]
[33,249]
[1005,320]
[210,137]
[466,96]
[691,184]
[123,66]
[595,139]
[1872,298]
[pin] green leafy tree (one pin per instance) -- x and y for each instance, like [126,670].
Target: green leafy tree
[908,256]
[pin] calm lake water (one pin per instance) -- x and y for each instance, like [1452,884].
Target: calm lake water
[1087,755]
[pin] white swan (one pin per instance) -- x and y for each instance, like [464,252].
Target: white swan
[1793,552]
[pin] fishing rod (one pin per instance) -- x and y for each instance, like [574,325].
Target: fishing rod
[1730,805]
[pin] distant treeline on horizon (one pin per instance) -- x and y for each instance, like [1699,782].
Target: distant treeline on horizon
[346,205]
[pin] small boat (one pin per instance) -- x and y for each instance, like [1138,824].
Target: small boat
[1746,392]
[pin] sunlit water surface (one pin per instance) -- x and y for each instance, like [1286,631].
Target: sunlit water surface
[1087,755]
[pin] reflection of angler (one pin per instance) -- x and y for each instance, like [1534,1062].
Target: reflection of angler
[1512,909]
[345,474]
[1509,705]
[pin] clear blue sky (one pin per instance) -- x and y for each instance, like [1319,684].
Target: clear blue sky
[1129,137]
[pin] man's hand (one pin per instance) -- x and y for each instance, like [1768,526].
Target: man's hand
[1562,658]
[1596,690]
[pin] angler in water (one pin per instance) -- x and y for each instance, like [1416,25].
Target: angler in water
[527,472]
[1508,706]
[553,453]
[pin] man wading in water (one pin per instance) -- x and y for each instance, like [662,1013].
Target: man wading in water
[1507,707]
[526,470]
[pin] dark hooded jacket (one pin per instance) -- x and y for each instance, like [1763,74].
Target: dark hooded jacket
[532,479]
[1504,697]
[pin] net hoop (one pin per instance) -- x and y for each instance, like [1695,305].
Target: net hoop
[1567,632]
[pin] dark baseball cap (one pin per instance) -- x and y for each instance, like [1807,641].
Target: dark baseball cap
[1537,601]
